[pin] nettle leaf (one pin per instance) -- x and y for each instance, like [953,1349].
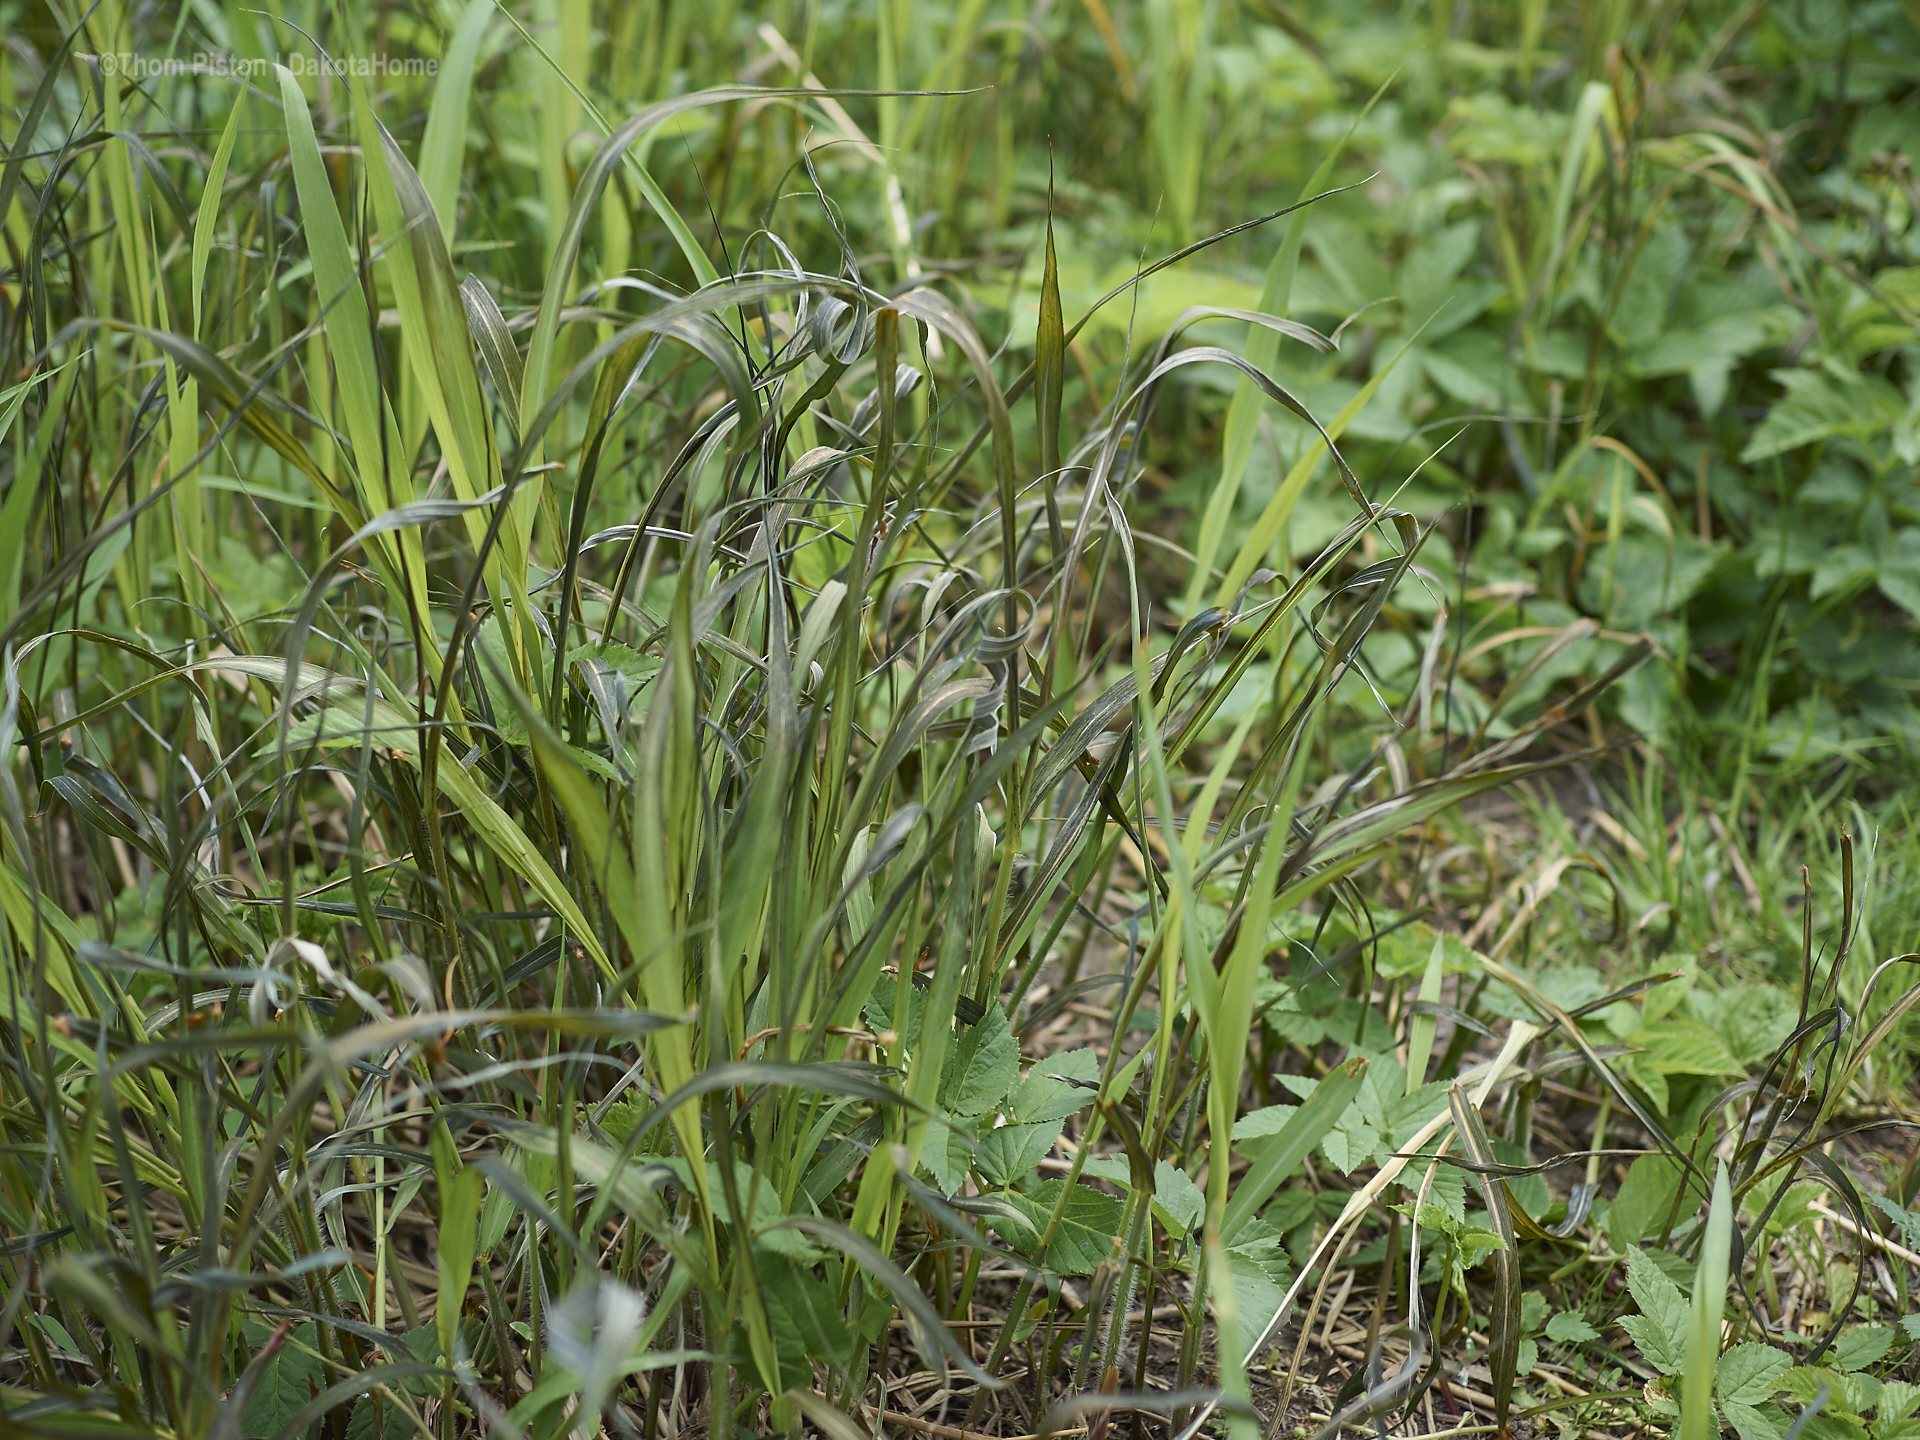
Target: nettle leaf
[1862,1346]
[1261,1271]
[1681,1045]
[1660,1329]
[1087,1226]
[1178,1203]
[1533,1309]
[377,1418]
[1475,1241]
[1407,1114]
[1046,1093]
[1257,1123]
[1750,1373]
[1349,1145]
[947,1155]
[1847,1395]
[1177,1197]
[1647,1197]
[1898,1400]
[804,1315]
[1011,1152]
[1755,1422]
[1822,406]
[291,1378]
[982,1066]
[1448,1192]
[1907,1220]
[1570,1327]
[880,1007]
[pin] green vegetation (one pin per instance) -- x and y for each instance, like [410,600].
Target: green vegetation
[979,718]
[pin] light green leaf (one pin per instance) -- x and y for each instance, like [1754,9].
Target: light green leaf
[1861,1346]
[1820,406]
[1257,1124]
[1088,1224]
[1570,1327]
[1646,1200]
[1046,1094]
[1529,1356]
[946,1154]
[1750,1373]
[1261,1273]
[1010,1152]
[1350,1146]
[1660,1330]
[1177,1197]
[1751,1422]
[1681,1045]
[982,1066]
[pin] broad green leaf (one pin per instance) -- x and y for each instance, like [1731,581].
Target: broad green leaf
[1820,406]
[1754,1422]
[1861,1346]
[1046,1093]
[1088,1225]
[1750,1373]
[1178,1203]
[1660,1329]
[982,1066]
[1009,1153]
[1570,1327]
[1258,1124]
[1646,1200]
[291,1378]
[1261,1271]
[1277,1158]
[804,1315]
[1681,1045]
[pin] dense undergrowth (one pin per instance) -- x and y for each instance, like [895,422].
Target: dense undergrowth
[691,753]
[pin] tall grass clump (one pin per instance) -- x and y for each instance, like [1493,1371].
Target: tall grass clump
[558,756]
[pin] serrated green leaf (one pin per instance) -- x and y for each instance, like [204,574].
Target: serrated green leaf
[1681,1045]
[1261,1271]
[1273,1160]
[1752,1422]
[982,1066]
[1045,1094]
[1258,1124]
[1570,1327]
[1010,1152]
[291,1378]
[1654,1343]
[1861,1346]
[947,1155]
[804,1314]
[1662,1333]
[1750,1373]
[1088,1224]
[1820,406]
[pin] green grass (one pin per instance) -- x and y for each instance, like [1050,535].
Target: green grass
[697,754]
